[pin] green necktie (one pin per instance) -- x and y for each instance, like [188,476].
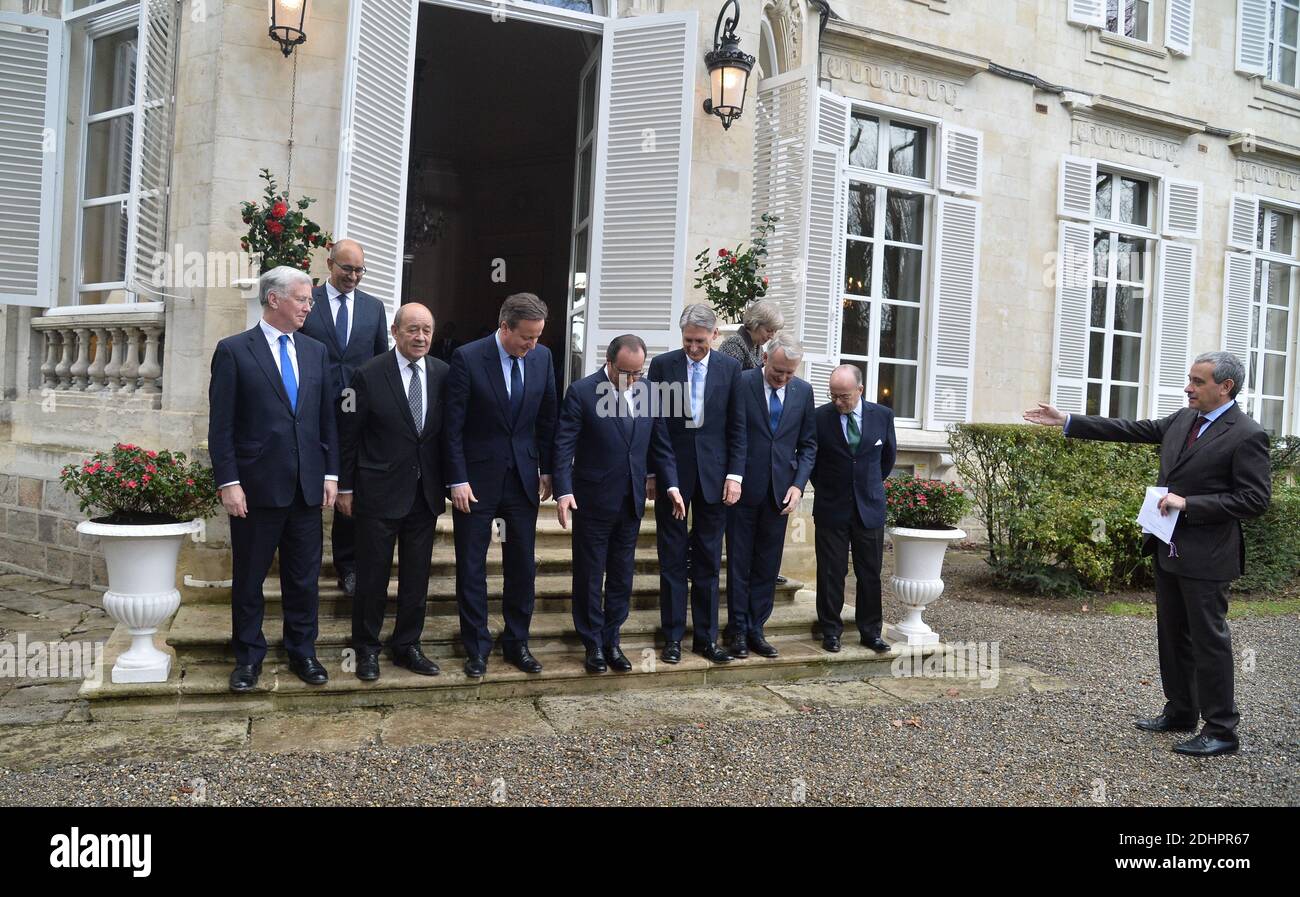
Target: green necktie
[855,435]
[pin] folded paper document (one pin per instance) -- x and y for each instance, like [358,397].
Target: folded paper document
[1159,525]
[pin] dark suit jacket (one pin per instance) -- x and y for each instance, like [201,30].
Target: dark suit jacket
[594,459]
[836,467]
[482,444]
[253,434]
[775,463]
[691,457]
[368,333]
[382,455]
[1224,476]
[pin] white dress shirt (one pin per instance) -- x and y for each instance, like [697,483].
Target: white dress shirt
[336,303]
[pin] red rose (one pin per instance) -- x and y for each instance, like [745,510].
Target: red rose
[279,210]
[764,281]
[152,454]
[722,253]
[274,227]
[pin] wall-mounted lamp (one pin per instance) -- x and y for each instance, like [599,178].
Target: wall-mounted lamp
[729,69]
[288,23]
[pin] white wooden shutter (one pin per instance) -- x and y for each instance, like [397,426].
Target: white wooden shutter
[819,326]
[1073,282]
[151,151]
[833,115]
[375,140]
[31,62]
[952,319]
[1179,15]
[1175,294]
[642,182]
[1086,12]
[1238,292]
[961,152]
[819,376]
[1180,209]
[1076,192]
[1243,221]
[1252,37]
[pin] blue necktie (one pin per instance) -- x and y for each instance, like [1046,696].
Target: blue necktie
[341,325]
[697,388]
[774,412]
[516,389]
[286,373]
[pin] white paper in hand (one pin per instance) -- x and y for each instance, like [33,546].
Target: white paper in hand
[1152,521]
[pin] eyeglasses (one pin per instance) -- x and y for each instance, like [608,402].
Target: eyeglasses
[844,396]
[631,375]
[351,269]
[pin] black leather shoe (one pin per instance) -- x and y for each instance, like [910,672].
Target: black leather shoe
[348,583]
[875,643]
[413,659]
[762,647]
[595,662]
[524,660]
[309,670]
[367,667]
[712,652]
[781,580]
[831,643]
[1163,723]
[244,677]
[1207,746]
[475,666]
[672,652]
[738,647]
[617,659]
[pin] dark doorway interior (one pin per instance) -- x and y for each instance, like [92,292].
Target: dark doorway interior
[493,134]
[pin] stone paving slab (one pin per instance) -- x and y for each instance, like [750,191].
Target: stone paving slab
[660,707]
[64,743]
[316,731]
[478,720]
[834,695]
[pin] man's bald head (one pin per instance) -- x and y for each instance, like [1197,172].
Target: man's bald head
[846,387]
[413,330]
[347,265]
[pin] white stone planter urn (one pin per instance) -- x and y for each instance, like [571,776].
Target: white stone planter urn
[918,579]
[142,592]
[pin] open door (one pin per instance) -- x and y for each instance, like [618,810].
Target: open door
[575,362]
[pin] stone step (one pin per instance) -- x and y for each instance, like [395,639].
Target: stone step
[443,562]
[201,633]
[195,687]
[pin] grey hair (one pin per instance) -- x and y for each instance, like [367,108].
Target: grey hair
[1226,367]
[786,342]
[763,313]
[698,315]
[857,373]
[278,280]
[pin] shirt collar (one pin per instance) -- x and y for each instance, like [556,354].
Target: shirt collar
[403,362]
[703,362]
[272,335]
[331,292]
[1214,415]
[501,350]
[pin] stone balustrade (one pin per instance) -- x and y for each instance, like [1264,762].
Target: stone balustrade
[105,350]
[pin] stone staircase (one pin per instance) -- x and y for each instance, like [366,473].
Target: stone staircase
[199,637]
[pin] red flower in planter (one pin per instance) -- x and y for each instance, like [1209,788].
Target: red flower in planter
[279,210]
[131,484]
[722,253]
[274,227]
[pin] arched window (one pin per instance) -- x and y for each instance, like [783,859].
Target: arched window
[768,59]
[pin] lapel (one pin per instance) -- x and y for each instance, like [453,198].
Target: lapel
[862,434]
[492,365]
[760,395]
[711,383]
[394,378]
[1217,429]
[327,317]
[266,361]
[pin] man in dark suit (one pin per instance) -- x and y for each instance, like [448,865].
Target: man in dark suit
[354,328]
[1214,461]
[392,459]
[500,426]
[781,440]
[699,453]
[602,445]
[856,447]
[274,450]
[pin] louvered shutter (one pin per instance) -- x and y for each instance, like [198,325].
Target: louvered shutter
[819,375]
[1086,12]
[151,152]
[1243,221]
[1073,280]
[952,318]
[375,141]
[960,160]
[1180,209]
[31,54]
[641,185]
[1179,15]
[819,327]
[1077,188]
[1252,37]
[1175,294]
[1238,292]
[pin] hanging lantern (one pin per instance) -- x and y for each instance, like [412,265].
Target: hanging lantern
[288,23]
[729,69]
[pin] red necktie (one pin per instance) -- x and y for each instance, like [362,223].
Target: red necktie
[1195,432]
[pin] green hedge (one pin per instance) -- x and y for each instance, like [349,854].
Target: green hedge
[1273,543]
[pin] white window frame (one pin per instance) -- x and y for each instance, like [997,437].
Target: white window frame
[1260,260]
[1123,7]
[1276,43]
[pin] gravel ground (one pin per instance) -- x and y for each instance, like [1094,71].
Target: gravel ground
[1073,747]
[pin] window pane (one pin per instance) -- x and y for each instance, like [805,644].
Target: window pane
[864,141]
[1286,67]
[1252,372]
[1094,399]
[1128,308]
[1289,19]
[580,267]
[900,327]
[1269,415]
[577,338]
[1130,264]
[1254,326]
[855,333]
[589,100]
[1278,285]
[1138,25]
[1124,401]
[1112,15]
[907,150]
[902,274]
[1103,194]
[584,182]
[897,388]
[1133,201]
[904,217]
[857,268]
[862,210]
[1274,375]
[1275,334]
[1126,359]
[1277,231]
[103,244]
[108,156]
[1097,318]
[1096,354]
[112,80]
